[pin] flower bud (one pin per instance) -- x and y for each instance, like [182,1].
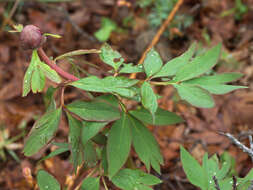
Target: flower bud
[31,37]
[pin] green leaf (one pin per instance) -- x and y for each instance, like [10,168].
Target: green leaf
[109,99]
[199,65]
[195,95]
[18,27]
[145,145]
[77,52]
[221,89]
[52,35]
[107,26]
[100,139]
[172,66]
[130,68]
[214,84]
[61,144]
[46,181]
[42,132]
[211,168]
[225,184]
[149,99]
[94,111]
[194,172]
[90,183]
[111,57]
[118,144]
[104,160]
[48,99]
[128,179]
[106,85]
[38,80]
[245,182]
[163,117]
[50,73]
[215,79]
[55,153]
[152,63]
[28,74]
[90,129]
[226,161]
[90,154]
[76,146]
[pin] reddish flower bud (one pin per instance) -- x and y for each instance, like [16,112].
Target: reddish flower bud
[31,37]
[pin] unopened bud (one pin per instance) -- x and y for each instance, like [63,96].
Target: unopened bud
[31,37]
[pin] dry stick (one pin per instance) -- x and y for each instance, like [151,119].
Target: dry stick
[59,70]
[249,151]
[234,183]
[217,187]
[7,20]
[159,33]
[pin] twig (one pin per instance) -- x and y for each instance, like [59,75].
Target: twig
[103,180]
[7,20]
[250,142]
[59,70]
[249,151]
[234,183]
[62,96]
[217,187]
[159,33]
[73,24]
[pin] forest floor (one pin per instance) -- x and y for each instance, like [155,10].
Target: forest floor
[134,26]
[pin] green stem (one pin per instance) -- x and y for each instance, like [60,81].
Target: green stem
[106,188]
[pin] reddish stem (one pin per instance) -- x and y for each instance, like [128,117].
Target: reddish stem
[59,70]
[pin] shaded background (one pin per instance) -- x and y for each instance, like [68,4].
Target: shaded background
[129,27]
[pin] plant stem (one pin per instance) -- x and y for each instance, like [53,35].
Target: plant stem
[103,180]
[217,187]
[159,33]
[55,67]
